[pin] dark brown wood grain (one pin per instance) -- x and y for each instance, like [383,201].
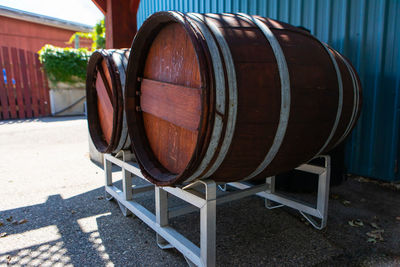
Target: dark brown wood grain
[159,113]
[105,107]
[106,77]
[348,101]
[314,100]
[172,59]
[176,104]
[120,19]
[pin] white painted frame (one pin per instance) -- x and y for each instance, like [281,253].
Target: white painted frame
[205,200]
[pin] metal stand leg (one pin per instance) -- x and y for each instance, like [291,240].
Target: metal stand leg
[126,181]
[270,181]
[161,198]
[322,197]
[127,189]
[208,225]
[108,177]
[309,212]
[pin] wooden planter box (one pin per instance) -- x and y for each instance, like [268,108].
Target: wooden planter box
[67,99]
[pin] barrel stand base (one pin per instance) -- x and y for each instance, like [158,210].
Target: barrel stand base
[319,211]
[200,195]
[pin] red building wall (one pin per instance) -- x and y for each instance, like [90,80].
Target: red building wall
[33,36]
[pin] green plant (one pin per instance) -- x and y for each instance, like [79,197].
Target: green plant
[64,64]
[98,36]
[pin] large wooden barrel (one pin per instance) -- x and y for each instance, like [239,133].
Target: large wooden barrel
[105,85]
[233,97]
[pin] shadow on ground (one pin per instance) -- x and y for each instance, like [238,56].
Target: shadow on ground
[247,233]
[42,119]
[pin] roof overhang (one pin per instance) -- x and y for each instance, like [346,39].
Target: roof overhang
[101,4]
[45,20]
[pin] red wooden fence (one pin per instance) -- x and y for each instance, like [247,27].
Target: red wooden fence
[24,91]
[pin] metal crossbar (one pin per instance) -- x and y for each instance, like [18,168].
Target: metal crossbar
[202,195]
[308,211]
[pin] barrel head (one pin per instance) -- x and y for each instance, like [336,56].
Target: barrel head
[171,97]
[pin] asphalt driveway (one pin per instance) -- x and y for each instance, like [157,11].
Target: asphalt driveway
[53,213]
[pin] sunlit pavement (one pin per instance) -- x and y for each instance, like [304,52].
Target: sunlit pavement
[53,212]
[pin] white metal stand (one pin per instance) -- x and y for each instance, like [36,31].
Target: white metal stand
[203,195]
[320,211]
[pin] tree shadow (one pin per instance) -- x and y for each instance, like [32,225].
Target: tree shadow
[91,231]
[44,119]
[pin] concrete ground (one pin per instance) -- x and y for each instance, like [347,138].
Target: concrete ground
[53,213]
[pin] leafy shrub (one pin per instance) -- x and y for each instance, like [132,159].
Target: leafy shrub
[64,64]
[99,33]
[98,36]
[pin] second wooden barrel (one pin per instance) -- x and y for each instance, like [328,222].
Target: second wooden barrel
[105,85]
[233,97]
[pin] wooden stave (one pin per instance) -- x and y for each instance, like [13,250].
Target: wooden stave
[181,178]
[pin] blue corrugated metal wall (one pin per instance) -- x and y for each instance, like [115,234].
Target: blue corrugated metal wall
[368,33]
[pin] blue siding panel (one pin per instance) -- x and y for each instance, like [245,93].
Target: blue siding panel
[365,31]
